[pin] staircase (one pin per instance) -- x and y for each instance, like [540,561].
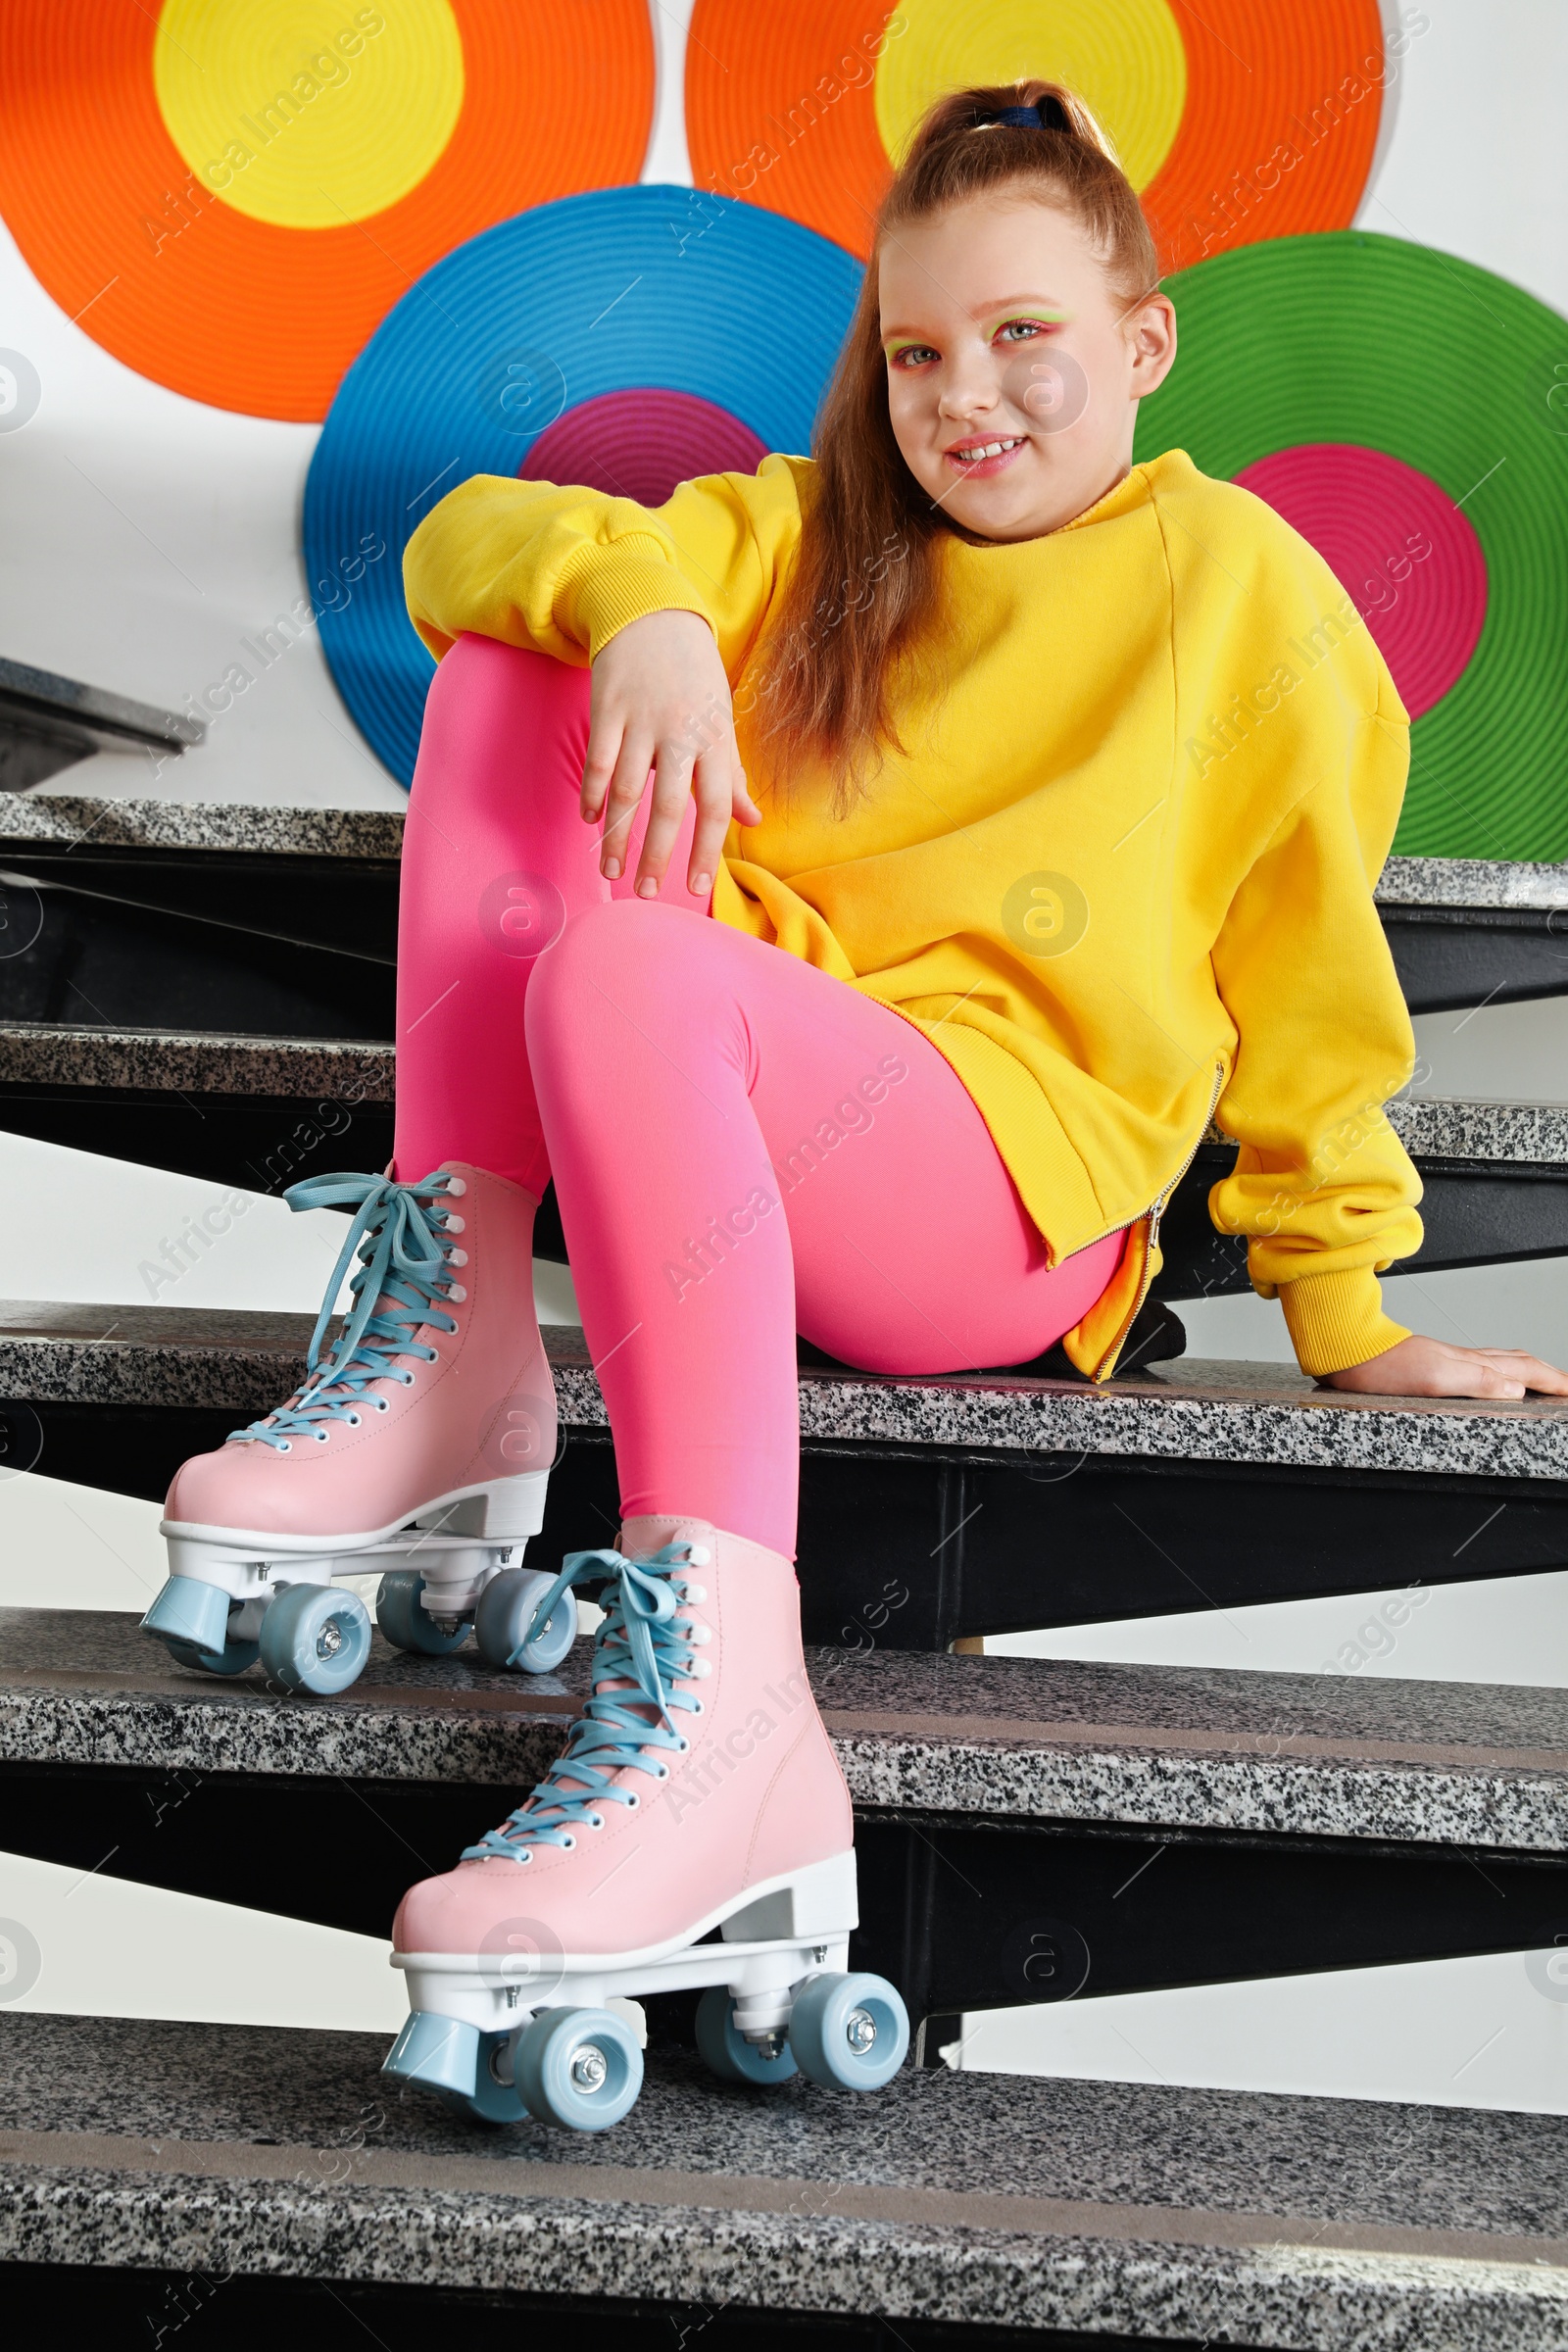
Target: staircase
[1028,1830]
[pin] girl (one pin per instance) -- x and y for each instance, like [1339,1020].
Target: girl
[1073,780]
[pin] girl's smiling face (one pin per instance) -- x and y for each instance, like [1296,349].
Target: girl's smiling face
[1014,366]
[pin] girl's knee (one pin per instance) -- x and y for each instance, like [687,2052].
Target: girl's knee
[621,955]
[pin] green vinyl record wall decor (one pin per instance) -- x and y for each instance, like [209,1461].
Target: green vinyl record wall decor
[1381,395]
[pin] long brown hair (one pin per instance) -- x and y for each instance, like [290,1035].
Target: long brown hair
[866,582]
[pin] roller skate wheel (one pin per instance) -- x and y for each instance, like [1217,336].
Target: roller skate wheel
[316,1638]
[580,2069]
[850,2032]
[505,1614]
[406,1624]
[725,2050]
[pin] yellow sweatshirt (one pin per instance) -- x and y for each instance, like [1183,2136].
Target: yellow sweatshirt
[1121,876]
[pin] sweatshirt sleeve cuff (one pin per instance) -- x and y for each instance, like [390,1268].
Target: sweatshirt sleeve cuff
[1337,1320]
[618,589]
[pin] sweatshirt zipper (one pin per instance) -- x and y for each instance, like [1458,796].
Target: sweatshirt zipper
[1155,1213]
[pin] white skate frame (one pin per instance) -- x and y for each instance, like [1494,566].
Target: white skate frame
[459,1544]
[775,1936]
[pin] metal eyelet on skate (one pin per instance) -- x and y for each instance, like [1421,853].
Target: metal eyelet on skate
[320,1435]
[353,1420]
[380,1403]
[455,1292]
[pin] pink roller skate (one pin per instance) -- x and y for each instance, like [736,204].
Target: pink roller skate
[420,1445]
[698,1791]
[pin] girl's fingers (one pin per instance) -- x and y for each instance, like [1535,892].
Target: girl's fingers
[673,776]
[714,784]
[605,737]
[743,807]
[627,788]
[1532,1370]
[1424,1367]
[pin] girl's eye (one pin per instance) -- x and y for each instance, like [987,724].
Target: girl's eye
[1022,330]
[911,354]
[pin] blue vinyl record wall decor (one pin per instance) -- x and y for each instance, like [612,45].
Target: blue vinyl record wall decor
[728,318]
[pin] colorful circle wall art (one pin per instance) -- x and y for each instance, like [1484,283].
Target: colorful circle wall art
[1436,487]
[627,339]
[230,194]
[1240,122]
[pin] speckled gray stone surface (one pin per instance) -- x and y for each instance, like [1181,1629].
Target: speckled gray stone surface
[1489,1134]
[1431,1128]
[164,1061]
[1327,2226]
[1195,1411]
[1311,1755]
[110,822]
[1471,882]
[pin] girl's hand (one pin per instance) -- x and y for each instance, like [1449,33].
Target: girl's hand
[660,701]
[1418,1367]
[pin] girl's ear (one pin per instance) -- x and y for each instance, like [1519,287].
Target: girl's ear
[1150,330]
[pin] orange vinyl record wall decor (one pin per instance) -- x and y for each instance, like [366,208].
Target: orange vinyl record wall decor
[1245,122]
[229,195]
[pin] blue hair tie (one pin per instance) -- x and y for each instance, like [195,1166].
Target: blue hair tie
[1048,114]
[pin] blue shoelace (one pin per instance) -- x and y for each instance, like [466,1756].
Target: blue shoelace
[643,1642]
[396,1234]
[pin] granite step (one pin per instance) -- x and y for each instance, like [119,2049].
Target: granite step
[1462,931]
[1474,931]
[1005,1807]
[1081,2212]
[239,1362]
[930,1508]
[269,922]
[1307,1755]
[264,1112]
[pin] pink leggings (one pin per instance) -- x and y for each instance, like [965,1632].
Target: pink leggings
[742,1146]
